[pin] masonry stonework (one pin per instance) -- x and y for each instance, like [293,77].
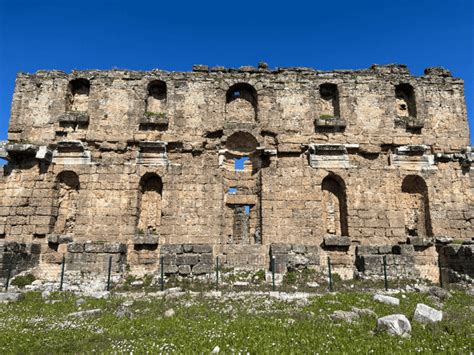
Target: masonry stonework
[244,164]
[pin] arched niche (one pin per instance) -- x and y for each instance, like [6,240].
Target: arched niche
[157,96]
[149,204]
[416,207]
[241,143]
[241,103]
[405,103]
[78,95]
[329,100]
[334,206]
[67,195]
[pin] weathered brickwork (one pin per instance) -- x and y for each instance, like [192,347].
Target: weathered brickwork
[238,160]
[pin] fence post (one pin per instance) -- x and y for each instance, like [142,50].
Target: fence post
[110,271]
[217,273]
[441,281]
[9,273]
[330,274]
[385,272]
[162,284]
[62,273]
[273,272]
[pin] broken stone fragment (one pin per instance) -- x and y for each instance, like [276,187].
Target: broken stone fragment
[169,313]
[87,313]
[420,242]
[426,314]
[345,316]
[200,68]
[6,297]
[387,300]
[437,71]
[439,293]
[394,324]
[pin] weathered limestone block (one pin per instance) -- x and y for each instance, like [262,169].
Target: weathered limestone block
[74,117]
[336,241]
[145,239]
[387,300]
[60,238]
[426,314]
[202,248]
[207,258]
[187,259]
[394,324]
[184,270]
[280,249]
[172,249]
[115,248]
[75,247]
[201,268]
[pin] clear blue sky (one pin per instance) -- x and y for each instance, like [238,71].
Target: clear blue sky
[173,35]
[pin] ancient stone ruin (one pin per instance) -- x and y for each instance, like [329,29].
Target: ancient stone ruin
[243,164]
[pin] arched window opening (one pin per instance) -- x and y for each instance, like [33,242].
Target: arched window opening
[67,186]
[241,103]
[416,207]
[241,142]
[156,98]
[78,96]
[329,99]
[334,206]
[149,204]
[405,100]
[239,163]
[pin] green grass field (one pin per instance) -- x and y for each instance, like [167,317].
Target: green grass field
[236,323]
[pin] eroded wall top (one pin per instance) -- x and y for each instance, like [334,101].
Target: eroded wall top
[382,105]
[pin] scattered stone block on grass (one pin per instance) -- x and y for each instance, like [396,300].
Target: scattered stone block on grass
[387,300]
[427,314]
[394,324]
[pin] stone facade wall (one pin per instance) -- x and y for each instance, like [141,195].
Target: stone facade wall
[17,257]
[458,261]
[327,154]
[291,257]
[400,260]
[187,259]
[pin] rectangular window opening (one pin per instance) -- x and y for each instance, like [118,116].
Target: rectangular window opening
[232,190]
[239,163]
[247,209]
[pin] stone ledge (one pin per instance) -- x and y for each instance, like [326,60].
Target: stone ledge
[70,146]
[337,241]
[96,247]
[74,117]
[329,122]
[14,150]
[420,242]
[152,119]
